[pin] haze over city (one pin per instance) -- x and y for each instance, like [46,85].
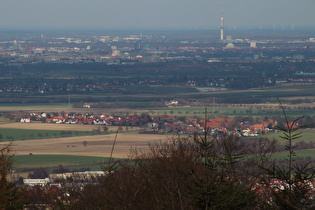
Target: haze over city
[175,14]
[157,104]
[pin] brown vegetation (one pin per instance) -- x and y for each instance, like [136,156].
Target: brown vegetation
[54,126]
[98,145]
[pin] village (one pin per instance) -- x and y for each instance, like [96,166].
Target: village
[154,124]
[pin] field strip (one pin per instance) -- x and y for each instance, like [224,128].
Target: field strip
[98,145]
[67,110]
[53,126]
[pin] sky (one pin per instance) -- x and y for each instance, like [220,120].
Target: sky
[176,14]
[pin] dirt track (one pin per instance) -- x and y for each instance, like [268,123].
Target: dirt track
[99,145]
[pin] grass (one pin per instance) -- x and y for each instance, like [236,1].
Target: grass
[305,154]
[229,111]
[54,161]
[4,120]
[8,134]
[48,105]
[307,136]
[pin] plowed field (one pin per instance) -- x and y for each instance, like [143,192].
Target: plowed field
[53,126]
[98,145]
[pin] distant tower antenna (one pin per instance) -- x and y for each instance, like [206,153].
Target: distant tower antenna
[222,28]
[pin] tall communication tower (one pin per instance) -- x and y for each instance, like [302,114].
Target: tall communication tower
[222,28]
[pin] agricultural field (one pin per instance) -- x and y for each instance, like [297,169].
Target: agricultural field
[54,126]
[307,135]
[29,131]
[24,162]
[308,155]
[55,144]
[229,111]
[97,145]
[9,134]
[71,151]
[5,121]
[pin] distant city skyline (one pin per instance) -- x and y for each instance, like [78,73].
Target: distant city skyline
[175,14]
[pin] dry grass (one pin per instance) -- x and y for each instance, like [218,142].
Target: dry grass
[98,145]
[60,127]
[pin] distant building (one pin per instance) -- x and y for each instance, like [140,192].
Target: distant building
[15,45]
[171,103]
[36,182]
[298,57]
[229,38]
[86,105]
[229,46]
[115,53]
[25,120]
[253,44]
[87,175]
[256,57]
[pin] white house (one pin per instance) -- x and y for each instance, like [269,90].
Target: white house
[35,182]
[25,120]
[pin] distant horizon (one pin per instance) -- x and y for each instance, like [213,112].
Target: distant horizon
[214,29]
[164,14]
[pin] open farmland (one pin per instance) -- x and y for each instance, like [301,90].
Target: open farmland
[54,126]
[54,161]
[307,154]
[307,135]
[32,131]
[98,145]
[9,134]
[60,108]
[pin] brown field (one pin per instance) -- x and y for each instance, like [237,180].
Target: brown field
[63,127]
[98,145]
[68,110]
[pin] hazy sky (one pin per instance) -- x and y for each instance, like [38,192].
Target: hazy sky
[154,13]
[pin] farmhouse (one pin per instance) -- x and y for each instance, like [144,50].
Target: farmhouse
[171,103]
[25,120]
[36,182]
[86,175]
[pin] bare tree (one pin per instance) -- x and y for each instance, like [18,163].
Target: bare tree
[105,128]
[84,143]
[9,194]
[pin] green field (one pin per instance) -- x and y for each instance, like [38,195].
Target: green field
[50,162]
[307,136]
[54,161]
[9,134]
[36,105]
[229,112]
[5,121]
[308,154]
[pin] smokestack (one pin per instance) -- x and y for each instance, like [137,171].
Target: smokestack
[221,28]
